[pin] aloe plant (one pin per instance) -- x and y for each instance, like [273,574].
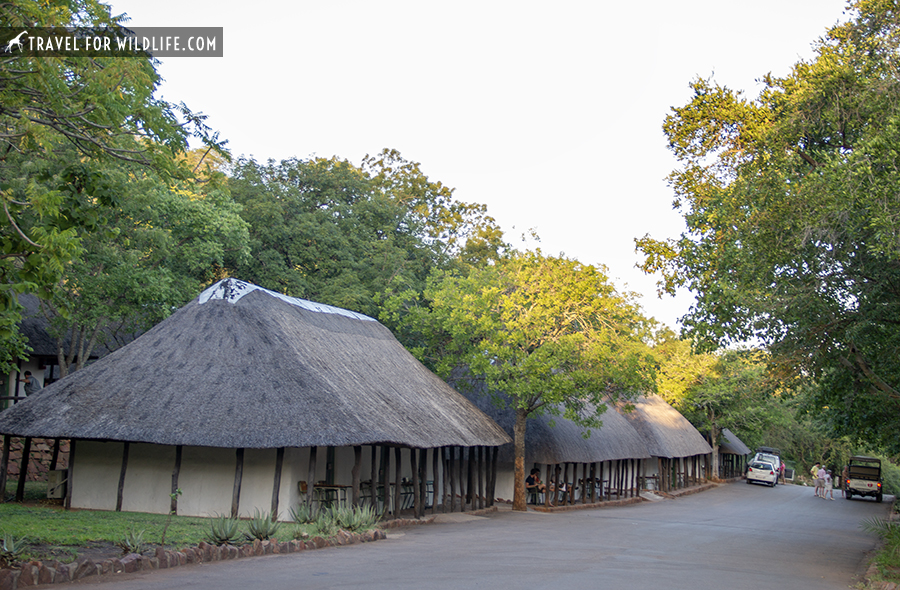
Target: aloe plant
[132,542]
[303,514]
[263,525]
[11,548]
[223,530]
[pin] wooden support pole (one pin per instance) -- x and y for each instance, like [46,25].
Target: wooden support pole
[23,469]
[276,485]
[384,479]
[238,477]
[4,466]
[423,479]
[414,470]
[557,499]
[311,477]
[121,490]
[354,475]
[373,475]
[397,481]
[479,493]
[548,479]
[584,483]
[55,458]
[593,482]
[470,477]
[492,486]
[69,472]
[447,473]
[451,463]
[435,478]
[176,472]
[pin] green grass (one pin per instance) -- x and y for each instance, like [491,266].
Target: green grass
[70,529]
[55,533]
[888,558]
[35,491]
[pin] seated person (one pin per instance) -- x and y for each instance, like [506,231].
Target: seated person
[533,482]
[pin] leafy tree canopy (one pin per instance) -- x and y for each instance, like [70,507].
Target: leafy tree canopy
[792,233]
[66,126]
[550,333]
[157,249]
[327,230]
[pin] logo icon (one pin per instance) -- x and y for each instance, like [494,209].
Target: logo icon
[17,40]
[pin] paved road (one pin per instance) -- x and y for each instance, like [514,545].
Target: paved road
[736,536]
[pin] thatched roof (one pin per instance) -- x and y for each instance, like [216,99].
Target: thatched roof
[553,439]
[241,366]
[667,433]
[36,328]
[732,445]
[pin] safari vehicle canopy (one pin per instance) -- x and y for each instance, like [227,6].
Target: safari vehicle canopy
[864,477]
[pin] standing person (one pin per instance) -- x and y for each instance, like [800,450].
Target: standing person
[781,472]
[32,385]
[845,475]
[820,482]
[814,473]
[829,486]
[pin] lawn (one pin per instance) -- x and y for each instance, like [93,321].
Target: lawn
[53,533]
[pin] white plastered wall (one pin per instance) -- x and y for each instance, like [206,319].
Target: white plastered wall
[206,478]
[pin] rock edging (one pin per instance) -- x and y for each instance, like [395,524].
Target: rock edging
[33,573]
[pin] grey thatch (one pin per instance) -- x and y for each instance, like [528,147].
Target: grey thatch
[553,439]
[36,328]
[732,445]
[243,367]
[667,433]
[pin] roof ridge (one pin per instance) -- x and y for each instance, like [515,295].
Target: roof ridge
[232,290]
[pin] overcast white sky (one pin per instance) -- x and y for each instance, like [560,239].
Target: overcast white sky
[548,113]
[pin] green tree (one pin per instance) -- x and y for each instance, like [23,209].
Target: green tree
[792,220]
[157,249]
[63,122]
[727,389]
[549,333]
[327,230]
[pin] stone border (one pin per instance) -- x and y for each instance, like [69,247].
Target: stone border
[33,573]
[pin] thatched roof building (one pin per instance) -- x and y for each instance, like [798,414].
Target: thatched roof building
[241,367]
[667,433]
[733,455]
[681,451]
[731,444]
[553,439]
[610,454]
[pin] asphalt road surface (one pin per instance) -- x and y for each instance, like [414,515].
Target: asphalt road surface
[735,536]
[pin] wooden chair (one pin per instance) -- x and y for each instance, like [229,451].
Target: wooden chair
[301,489]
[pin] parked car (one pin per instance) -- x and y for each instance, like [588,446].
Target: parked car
[864,477]
[768,455]
[762,472]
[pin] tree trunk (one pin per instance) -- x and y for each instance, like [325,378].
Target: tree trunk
[519,443]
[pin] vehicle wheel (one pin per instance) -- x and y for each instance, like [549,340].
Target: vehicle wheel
[748,482]
[878,498]
[849,494]
[772,485]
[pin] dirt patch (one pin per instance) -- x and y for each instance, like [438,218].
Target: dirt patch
[97,551]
